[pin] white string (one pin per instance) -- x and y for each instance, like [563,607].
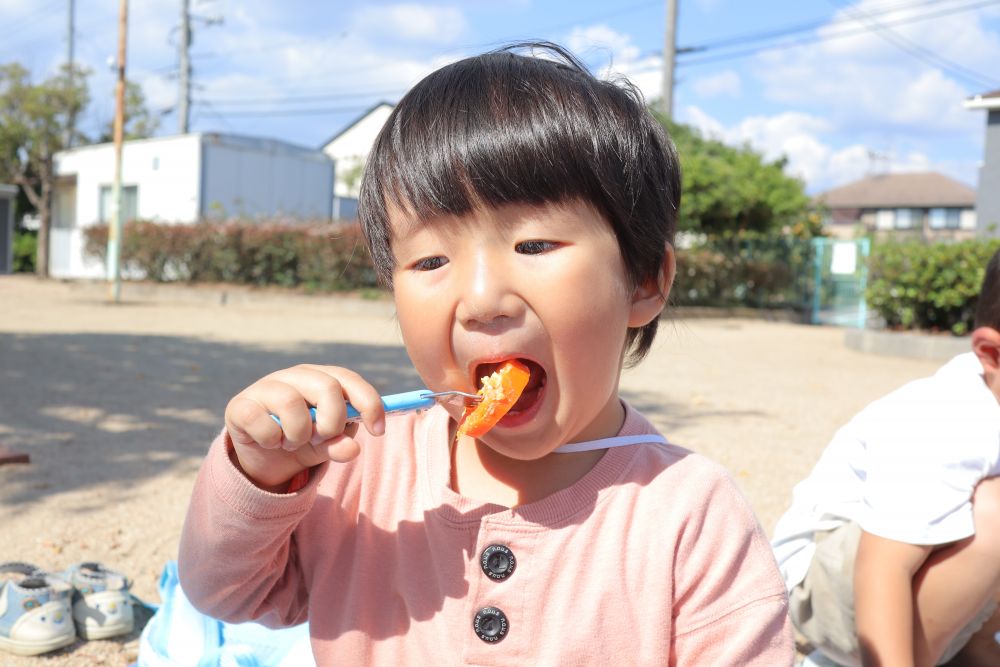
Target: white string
[608,443]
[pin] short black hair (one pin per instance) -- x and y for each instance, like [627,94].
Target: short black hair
[988,307]
[506,128]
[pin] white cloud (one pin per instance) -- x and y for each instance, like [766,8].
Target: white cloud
[864,80]
[619,47]
[811,156]
[619,57]
[412,22]
[708,126]
[723,83]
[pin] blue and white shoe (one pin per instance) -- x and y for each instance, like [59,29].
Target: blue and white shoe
[102,601]
[818,659]
[35,614]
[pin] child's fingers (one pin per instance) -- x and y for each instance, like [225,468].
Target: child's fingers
[339,449]
[249,422]
[329,398]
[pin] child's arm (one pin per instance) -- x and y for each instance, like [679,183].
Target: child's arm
[239,557]
[883,598]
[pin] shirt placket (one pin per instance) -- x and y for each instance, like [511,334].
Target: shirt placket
[494,625]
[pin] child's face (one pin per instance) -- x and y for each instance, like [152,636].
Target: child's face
[546,285]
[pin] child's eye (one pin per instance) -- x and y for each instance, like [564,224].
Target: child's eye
[533,247]
[429,263]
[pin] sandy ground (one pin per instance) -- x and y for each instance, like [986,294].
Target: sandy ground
[116,405]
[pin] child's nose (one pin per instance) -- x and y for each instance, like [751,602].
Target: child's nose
[487,296]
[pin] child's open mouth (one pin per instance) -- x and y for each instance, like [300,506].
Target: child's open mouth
[529,400]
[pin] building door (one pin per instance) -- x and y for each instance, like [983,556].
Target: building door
[63,236]
[840,269]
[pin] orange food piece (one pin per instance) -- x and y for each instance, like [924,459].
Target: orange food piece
[500,392]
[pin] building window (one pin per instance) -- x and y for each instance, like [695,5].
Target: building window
[910,218]
[885,219]
[946,218]
[904,218]
[130,203]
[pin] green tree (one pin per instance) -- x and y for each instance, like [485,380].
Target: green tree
[140,122]
[729,190]
[36,122]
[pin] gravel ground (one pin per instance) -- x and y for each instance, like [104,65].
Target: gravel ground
[116,405]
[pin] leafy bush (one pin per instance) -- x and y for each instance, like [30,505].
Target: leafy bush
[25,251]
[316,256]
[913,285]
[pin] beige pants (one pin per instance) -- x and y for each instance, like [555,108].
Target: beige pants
[822,606]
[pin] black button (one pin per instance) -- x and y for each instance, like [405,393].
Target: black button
[490,624]
[498,562]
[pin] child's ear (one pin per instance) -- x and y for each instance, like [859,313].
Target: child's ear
[650,298]
[986,345]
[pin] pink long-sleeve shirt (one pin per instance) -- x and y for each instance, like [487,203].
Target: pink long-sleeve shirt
[653,557]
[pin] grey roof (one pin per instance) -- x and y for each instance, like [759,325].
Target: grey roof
[914,189]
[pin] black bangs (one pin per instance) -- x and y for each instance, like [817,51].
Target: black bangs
[503,128]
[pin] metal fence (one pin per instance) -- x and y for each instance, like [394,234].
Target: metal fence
[821,280]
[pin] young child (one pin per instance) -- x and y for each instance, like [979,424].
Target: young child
[519,208]
[891,547]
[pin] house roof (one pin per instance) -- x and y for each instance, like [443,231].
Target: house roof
[354,122]
[914,189]
[990,100]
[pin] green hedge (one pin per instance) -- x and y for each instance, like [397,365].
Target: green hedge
[25,250]
[316,256]
[913,285]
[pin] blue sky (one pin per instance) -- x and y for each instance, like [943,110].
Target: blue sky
[841,88]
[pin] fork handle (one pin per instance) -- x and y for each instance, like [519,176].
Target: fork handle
[408,401]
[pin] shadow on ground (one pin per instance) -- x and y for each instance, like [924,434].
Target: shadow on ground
[669,416]
[97,408]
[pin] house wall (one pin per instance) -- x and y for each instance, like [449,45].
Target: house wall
[248,177]
[851,222]
[164,170]
[988,195]
[242,175]
[350,149]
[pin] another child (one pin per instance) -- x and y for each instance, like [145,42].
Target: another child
[891,548]
[520,209]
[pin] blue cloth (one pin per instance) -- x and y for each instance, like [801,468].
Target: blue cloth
[178,635]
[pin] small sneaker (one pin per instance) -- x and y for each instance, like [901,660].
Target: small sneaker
[35,615]
[102,603]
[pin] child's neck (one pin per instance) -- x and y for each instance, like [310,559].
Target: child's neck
[479,472]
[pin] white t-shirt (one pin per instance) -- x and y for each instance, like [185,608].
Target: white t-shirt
[904,468]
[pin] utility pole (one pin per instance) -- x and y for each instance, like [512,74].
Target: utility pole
[69,34]
[71,122]
[184,104]
[116,226]
[669,57]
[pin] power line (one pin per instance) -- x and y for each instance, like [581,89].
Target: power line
[301,98]
[618,12]
[289,112]
[830,36]
[920,52]
[806,26]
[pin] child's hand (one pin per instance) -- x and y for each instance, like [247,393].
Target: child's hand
[270,454]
